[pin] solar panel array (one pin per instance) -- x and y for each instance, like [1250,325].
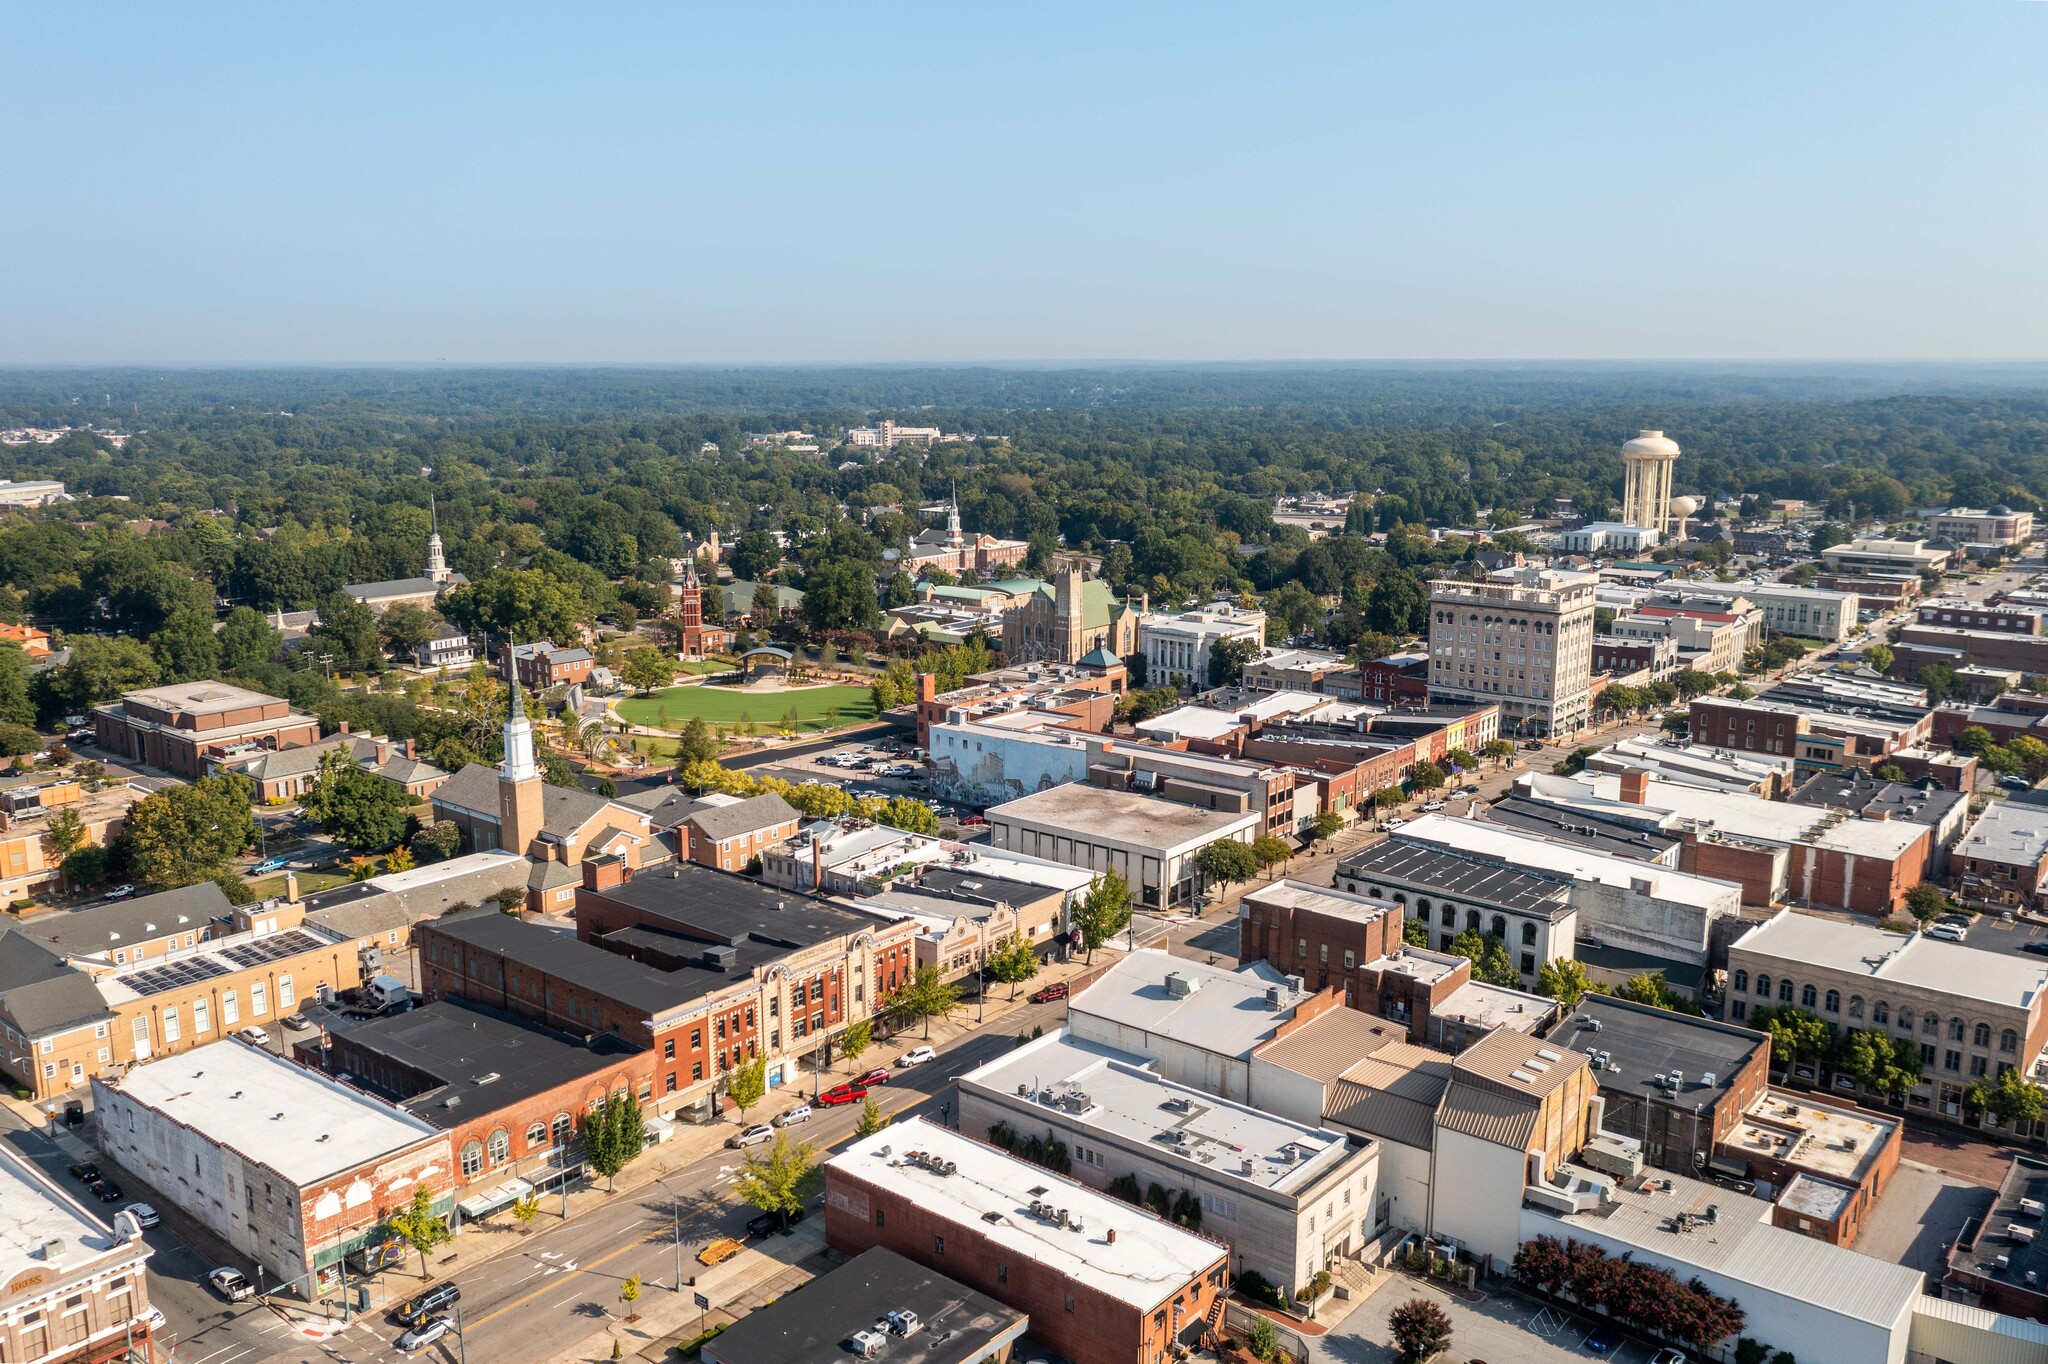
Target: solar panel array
[271,947]
[174,975]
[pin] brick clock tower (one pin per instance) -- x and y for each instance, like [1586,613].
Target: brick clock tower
[695,640]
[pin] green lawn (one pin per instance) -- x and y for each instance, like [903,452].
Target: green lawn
[310,882]
[726,706]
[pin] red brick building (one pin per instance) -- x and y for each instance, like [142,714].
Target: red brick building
[179,728]
[544,665]
[1102,1281]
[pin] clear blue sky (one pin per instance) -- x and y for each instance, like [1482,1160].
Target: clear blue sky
[847,182]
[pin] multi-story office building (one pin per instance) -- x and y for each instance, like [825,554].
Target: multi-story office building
[75,1291]
[1999,526]
[1807,612]
[181,727]
[1522,639]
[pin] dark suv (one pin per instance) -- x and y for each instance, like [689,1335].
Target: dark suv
[428,1301]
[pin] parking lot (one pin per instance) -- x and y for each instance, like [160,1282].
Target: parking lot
[1498,1328]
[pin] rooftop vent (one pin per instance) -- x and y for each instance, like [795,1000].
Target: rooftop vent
[1181,985]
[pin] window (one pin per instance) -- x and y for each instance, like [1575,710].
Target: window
[1785,991]
[1528,935]
[1472,919]
[1350,959]
[696,1038]
[1500,927]
[668,1083]
[1763,986]
[1002,1273]
[1740,1009]
[172,1031]
[49,1045]
[668,1050]
[1807,996]
[230,1011]
[536,1135]
[562,1128]
[1929,1024]
[1855,1006]
[696,1071]
[1955,1030]
[284,992]
[1070,1296]
[2008,1041]
[1951,1060]
[1322,954]
[501,1147]
[202,1016]
[1978,1065]
[1528,963]
[1980,1036]
[1301,947]
[1880,1012]
[817,990]
[1450,916]
[472,1160]
[259,999]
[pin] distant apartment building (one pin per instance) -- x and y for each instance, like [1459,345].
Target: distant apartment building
[1522,639]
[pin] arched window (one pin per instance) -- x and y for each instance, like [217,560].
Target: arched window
[1528,935]
[2008,1041]
[1763,985]
[1855,1006]
[1472,919]
[1930,1024]
[501,1147]
[1807,994]
[536,1136]
[1980,1036]
[1785,990]
[1449,916]
[472,1159]
[1832,1002]
[1422,908]
[562,1128]
[1955,1030]
[1500,927]
[1880,1013]
[1742,982]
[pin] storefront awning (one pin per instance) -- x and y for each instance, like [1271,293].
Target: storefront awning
[492,1199]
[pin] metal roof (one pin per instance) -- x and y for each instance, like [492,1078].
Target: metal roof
[1427,867]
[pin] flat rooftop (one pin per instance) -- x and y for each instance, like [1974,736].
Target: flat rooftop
[1822,1200]
[200,698]
[1835,1143]
[813,1322]
[1303,897]
[990,1193]
[1586,830]
[1774,821]
[1739,1243]
[1858,949]
[1123,816]
[1570,860]
[209,960]
[1495,1006]
[480,1059]
[36,1211]
[298,1122]
[1227,1012]
[1454,873]
[2026,1181]
[2008,833]
[1119,1095]
[561,955]
[1631,1044]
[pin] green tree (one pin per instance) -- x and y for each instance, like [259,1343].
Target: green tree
[521,604]
[524,1211]
[1262,1339]
[839,594]
[613,1136]
[1415,933]
[65,833]
[1650,987]
[363,810]
[754,556]
[1796,1034]
[859,1035]
[348,631]
[1426,776]
[1878,1061]
[186,648]
[747,1084]
[872,1119]
[1880,657]
[17,706]
[1271,852]
[438,841]
[926,996]
[1564,980]
[18,741]
[1104,912]
[406,626]
[101,667]
[629,1293]
[1387,798]
[1226,862]
[646,669]
[773,1181]
[2015,1099]
[1327,824]
[1692,682]
[1926,902]
[696,743]
[247,640]
[1227,658]
[1012,963]
[186,834]
[419,1225]
[1500,750]
[1888,772]
[1492,963]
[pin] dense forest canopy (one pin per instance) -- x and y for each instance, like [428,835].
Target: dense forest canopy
[280,486]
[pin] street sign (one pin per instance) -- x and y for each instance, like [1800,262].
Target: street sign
[703,1303]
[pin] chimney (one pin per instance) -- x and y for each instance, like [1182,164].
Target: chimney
[818,864]
[383,751]
[291,887]
[1880,814]
[927,686]
[343,729]
[603,873]
[1635,787]
[409,745]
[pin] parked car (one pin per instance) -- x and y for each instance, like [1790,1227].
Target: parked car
[144,1214]
[153,1320]
[1668,1356]
[297,1022]
[775,1221]
[801,1113]
[2038,947]
[106,1191]
[425,1334]
[121,892]
[753,1136]
[426,1302]
[1948,932]
[231,1284]
[254,1034]
[719,1251]
[878,1076]
[85,1172]
[843,1094]
[916,1056]
[972,821]
[1047,994]
[1395,823]
[1430,807]
[2015,783]
[1603,1340]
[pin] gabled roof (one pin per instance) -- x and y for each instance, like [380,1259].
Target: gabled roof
[564,810]
[105,927]
[42,993]
[720,822]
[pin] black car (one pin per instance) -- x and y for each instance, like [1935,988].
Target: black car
[424,1304]
[774,1221]
[2039,949]
[85,1172]
[106,1191]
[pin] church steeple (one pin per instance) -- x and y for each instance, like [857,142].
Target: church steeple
[953,533]
[519,764]
[521,804]
[437,558]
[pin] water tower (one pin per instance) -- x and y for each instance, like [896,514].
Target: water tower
[1646,497]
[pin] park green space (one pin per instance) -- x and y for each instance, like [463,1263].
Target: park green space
[730,706]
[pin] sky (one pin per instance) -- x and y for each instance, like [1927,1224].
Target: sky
[497,183]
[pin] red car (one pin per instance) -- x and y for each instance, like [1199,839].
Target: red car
[843,1094]
[878,1076]
[1056,990]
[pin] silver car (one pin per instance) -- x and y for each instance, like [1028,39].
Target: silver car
[425,1334]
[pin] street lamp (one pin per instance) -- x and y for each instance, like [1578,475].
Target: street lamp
[676,1209]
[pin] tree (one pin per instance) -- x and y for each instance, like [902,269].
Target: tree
[858,1036]
[1878,1061]
[347,630]
[1415,933]
[1926,902]
[439,840]
[18,741]
[186,649]
[65,833]
[2015,1099]
[1262,1339]
[419,1225]
[1692,682]
[101,668]
[697,743]
[1420,1329]
[399,858]
[773,1181]
[1426,776]
[1271,852]
[1226,862]
[872,1119]
[1104,912]
[1650,987]
[247,640]
[754,556]
[1387,798]
[1941,682]
[17,706]
[1326,824]
[747,1084]
[524,1211]
[646,669]
[406,626]
[1796,1034]
[1012,963]
[360,808]
[520,604]
[186,834]
[1227,657]
[1564,980]
[1880,657]
[629,1293]
[1500,750]
[926,996]
[1492,964]
[613,1136]
[839,594]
